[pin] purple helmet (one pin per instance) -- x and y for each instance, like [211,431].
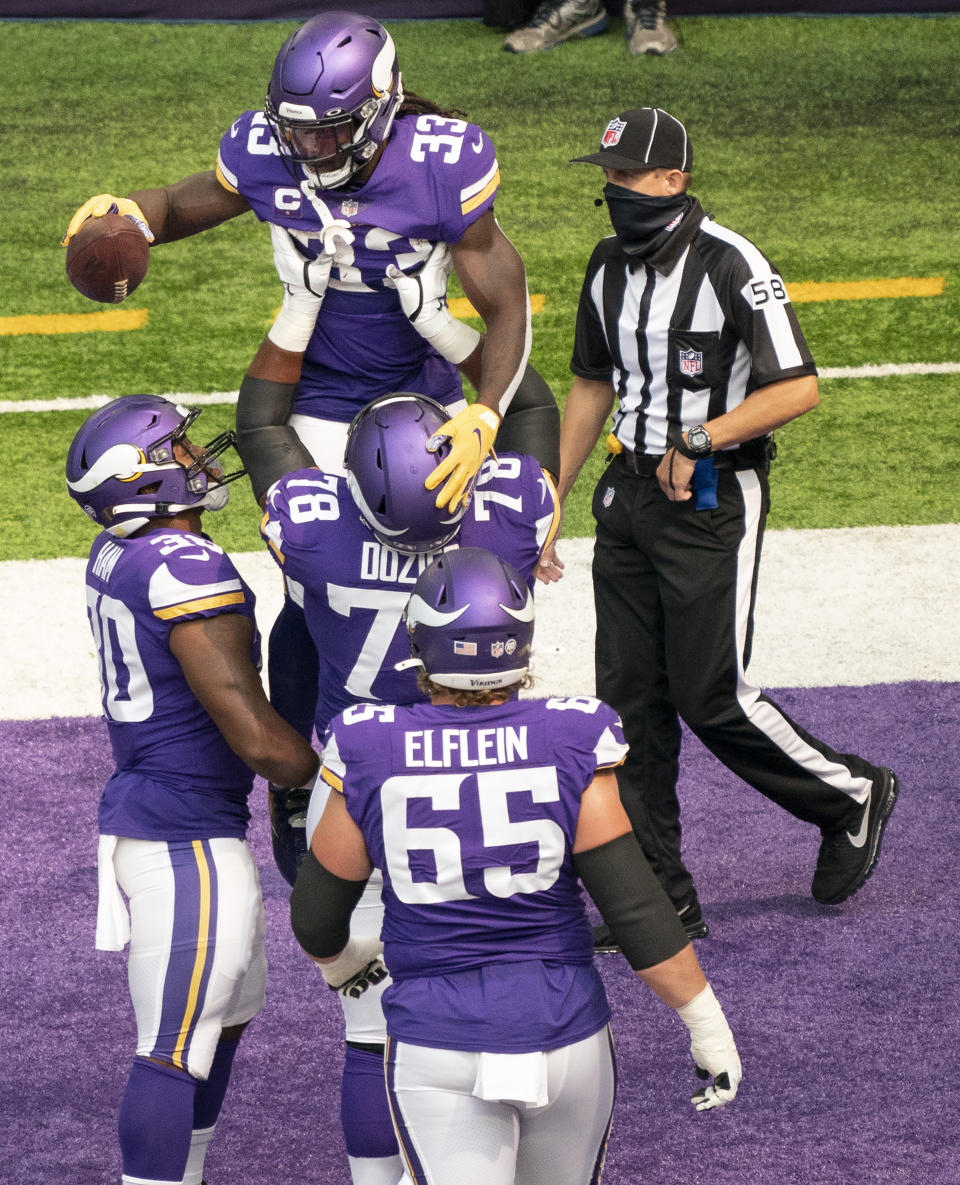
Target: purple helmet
[387,462]
[333,95]
[470,621]
[122,471]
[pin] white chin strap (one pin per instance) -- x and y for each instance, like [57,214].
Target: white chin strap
[214,499]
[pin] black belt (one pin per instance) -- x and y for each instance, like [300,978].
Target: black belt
[755,454]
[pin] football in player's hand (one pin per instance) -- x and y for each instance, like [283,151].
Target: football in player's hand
[107,258]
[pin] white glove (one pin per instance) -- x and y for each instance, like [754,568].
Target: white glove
[713,1049]
[423,298]
[357,967]
[304,283]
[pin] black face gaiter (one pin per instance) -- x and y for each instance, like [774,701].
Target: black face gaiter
[642,222]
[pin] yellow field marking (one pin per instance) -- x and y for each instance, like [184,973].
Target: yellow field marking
[106,322]
[461,307]
[802,293]
[866,289]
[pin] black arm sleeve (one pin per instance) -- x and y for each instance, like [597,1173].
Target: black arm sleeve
[531,423]
[267,445]
[632,901]
[320,908]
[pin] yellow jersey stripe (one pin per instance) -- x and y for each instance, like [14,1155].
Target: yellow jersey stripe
[221,177]
[203,941]
[181,610]
[331,778]
[479,198]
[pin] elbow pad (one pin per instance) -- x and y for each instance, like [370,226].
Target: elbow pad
[320,908]
[632,901]
[532,423]
[267,445]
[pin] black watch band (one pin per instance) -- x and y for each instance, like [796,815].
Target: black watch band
[698,443]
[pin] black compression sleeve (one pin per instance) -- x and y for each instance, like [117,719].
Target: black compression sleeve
[531,423]
[267,445]
[632,901]
[320,908]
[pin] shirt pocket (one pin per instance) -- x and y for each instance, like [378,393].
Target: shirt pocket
[693,359]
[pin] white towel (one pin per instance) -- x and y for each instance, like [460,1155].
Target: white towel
[113,921]
[512,1078]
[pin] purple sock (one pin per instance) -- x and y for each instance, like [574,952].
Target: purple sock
[156,1121]
[364,1111]
[209,1097]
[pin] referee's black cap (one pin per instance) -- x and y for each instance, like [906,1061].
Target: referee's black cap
[643,138]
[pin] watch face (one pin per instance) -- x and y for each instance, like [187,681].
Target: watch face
[699,439]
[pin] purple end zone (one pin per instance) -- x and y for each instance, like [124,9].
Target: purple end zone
[845,1016]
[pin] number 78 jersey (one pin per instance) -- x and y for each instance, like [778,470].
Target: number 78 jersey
[353,589]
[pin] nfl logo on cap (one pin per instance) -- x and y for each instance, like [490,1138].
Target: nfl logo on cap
[611,136]
[691,362]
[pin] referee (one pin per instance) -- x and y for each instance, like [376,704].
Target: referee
[686,333]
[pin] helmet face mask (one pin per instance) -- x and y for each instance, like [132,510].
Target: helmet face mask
[333,96]
[470,621]
[123,466]
[387,462]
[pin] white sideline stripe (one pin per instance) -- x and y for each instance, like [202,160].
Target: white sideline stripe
[835,607]
[89,402]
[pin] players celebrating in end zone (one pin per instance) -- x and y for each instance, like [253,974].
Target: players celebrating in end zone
[483,812]
[363,187]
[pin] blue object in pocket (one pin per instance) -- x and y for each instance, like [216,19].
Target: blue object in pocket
[705,484]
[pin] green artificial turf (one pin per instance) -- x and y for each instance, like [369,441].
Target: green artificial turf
[832,142]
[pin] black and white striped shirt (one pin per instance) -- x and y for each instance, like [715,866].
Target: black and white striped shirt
[686,334]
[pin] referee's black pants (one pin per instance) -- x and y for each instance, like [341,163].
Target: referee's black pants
[674,590]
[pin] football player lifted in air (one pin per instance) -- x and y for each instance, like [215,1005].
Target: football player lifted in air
[189,723]
[483,812]
[371,196]
[351,549]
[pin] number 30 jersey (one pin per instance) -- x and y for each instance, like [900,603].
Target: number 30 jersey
[433,179]
[176,777]
[472,813]
[353,588]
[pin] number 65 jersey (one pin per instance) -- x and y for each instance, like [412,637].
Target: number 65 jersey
[471,813]
[176,776]
[353,588]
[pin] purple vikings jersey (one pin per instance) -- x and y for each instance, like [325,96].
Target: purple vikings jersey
[353,588]
[176,777]
[471,813]
[435,177]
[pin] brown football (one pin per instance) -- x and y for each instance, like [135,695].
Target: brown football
[107,258]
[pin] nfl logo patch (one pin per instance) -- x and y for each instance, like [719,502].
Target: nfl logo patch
[349,208]
[467,648]
[611,137]
[691,362]
[496,650]
[607,497]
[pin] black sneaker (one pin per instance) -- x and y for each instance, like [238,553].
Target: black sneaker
[847,858]
[692,920]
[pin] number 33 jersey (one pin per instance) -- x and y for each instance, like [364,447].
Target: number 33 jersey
[434,178]
[472,813]
[176,777]
[353,588]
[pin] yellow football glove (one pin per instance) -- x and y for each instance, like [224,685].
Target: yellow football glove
[106,203]
[471,433]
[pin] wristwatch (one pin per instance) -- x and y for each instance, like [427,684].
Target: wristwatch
[698,443]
